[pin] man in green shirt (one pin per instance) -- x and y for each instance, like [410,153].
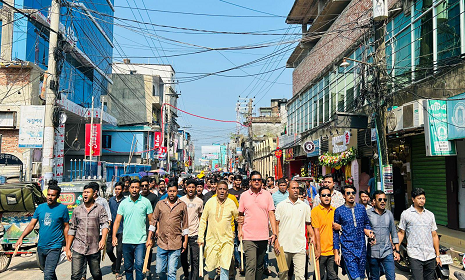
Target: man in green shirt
[136,211]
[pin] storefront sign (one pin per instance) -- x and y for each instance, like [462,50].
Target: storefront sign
[157,140]
[456,117]
[340,142]
[31,128]
[388,179]
[436,130]
[312,148]
[238,151]
[93,140]
[289,154]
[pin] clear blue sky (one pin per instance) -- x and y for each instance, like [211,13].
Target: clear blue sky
[213,96]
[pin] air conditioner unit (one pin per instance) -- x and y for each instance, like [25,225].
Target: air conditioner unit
[409,115]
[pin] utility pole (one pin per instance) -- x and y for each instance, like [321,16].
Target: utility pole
[249,119]
[50,94]
[7,30]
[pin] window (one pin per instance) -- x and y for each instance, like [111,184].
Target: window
[7,119]
[106,141]
[448,28]
[326,98]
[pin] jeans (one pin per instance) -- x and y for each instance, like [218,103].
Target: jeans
[387,263]
[237,255]
[78,265]
[167,260]
[48,259]
[116,260]
[327,267]
[193,246]
[423,270]
[299,261]
[223,274]
[255,252]
[133,260]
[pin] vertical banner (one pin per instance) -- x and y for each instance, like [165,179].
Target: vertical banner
[94,144]
[31,127]
[355,176]
[388,179]
[436,130]
[156,140]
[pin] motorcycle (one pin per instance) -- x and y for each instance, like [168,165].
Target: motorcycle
[442,272]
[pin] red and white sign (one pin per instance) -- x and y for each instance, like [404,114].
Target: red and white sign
[94,144]
[162,153]
[157,140]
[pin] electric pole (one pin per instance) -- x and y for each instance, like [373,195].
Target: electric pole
[249,119]
[50,94]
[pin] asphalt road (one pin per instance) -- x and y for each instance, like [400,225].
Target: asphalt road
[25,268]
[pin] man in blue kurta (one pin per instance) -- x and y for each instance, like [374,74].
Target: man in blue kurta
[351,226]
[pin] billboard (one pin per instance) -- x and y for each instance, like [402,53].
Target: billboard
[31,128]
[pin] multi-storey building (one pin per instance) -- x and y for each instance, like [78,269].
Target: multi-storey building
[350,67]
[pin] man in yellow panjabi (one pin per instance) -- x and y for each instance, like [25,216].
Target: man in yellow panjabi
[218,212]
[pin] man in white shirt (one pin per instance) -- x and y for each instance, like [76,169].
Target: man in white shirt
[293,214]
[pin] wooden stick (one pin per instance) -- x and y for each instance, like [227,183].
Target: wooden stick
[15,252]
[146,260]
[242,255]
[201,261]
[316,263]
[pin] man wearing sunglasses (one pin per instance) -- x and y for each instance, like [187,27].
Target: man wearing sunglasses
[350,239]
[337,199]
[384,229]
[256,205]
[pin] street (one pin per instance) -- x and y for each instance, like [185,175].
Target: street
[25,268]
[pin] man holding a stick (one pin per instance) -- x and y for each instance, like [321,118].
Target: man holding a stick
[322,221]
[256,205]
[135,210]
[219,213]
[170,224]
[194,211]
[292,214]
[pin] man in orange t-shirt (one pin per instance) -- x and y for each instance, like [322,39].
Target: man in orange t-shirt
[322,222]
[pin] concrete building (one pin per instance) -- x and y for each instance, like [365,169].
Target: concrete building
[419,57]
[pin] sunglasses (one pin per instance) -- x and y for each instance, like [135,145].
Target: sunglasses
[326,195]
[255,180]
[351,193]
[143,185]
[382,199]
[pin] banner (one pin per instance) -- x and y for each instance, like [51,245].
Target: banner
[388,182]
[456,117]
[94,144]
[31,127]
[157,140]
[436,130]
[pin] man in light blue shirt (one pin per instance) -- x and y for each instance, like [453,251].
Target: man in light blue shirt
[282,192]
[135,210]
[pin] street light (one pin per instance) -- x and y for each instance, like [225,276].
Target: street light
[346,64]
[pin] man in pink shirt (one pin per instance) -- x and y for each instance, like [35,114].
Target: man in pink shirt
[257,207]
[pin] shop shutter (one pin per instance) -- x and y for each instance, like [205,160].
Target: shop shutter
[429,173]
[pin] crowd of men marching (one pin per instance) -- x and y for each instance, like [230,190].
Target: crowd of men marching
[208,224]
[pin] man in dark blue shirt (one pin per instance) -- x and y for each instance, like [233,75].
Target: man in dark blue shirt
[53,219]
[114,204]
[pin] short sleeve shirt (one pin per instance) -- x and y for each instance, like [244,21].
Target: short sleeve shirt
[134,219]
[292,217]
[51,221]
[255,207]
[419,227]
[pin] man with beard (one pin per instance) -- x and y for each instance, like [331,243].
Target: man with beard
[53,219]
[199,189]
[161,188]
[153,198]
[353,219]
[337,199]
[384,228]
[84,235]
[170,224]
[219,214]
[134,211]
[194,211]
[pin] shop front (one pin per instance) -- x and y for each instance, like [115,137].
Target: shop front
[340,160]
